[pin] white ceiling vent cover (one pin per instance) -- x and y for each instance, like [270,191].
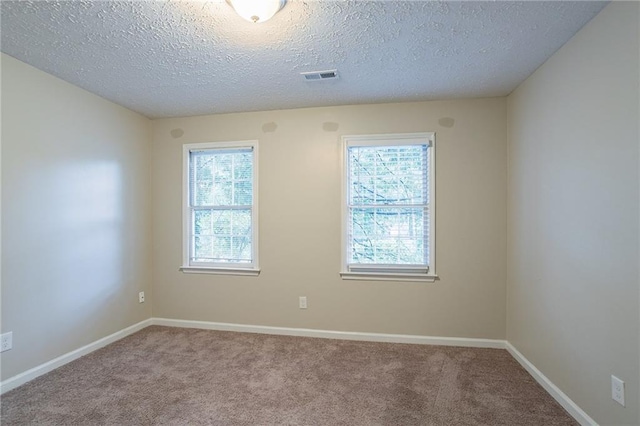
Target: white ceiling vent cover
[320,75]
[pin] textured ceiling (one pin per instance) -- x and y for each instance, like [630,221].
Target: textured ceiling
[180,58]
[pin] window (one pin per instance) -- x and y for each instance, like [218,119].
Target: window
[389,210]
[220,208]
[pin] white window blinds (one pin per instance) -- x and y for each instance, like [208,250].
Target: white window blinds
[221,185]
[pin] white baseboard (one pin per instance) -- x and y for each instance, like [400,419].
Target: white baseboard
[572,408]
[17,380]
[328,334]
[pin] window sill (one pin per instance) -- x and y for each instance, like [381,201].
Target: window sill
[220,271]
[388,276]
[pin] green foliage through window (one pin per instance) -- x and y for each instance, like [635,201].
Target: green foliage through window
[388,202]
[221,201]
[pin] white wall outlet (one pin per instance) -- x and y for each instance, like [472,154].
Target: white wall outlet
[617,390]
[303,302]
[6,341]
[141,297]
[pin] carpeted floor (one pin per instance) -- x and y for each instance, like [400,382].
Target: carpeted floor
[173,376]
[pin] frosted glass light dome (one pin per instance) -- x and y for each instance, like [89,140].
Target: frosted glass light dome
[257,10]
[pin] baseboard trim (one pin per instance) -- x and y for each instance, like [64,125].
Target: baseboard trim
[572,408]
[329,334]
[22,378]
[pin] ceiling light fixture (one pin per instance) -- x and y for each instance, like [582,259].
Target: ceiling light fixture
[257,10]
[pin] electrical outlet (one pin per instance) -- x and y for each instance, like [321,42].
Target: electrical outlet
[141,297]
[617,390]
[6,341]
[303,302]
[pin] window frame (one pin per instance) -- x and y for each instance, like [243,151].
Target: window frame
[389,272]
[251,269]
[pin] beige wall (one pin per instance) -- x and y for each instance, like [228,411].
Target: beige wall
[75,216]
[299,215]
[573,215]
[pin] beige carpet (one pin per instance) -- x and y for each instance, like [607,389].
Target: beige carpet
[173,376]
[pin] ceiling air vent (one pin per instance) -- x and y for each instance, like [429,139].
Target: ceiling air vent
[320,75]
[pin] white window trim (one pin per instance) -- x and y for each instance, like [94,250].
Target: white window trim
[369,273]
[251,269]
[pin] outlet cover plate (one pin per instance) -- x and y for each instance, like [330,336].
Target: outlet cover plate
[6,341]
[617,390]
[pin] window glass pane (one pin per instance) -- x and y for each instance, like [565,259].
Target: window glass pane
[222,179]
[222,188]
[242,248]
[202,179]
[388,174]
[221,182]
[427,236]
[222,248]
[203,248]
[222,222]
[241,235]
[223,167]
[379,178]
[202,222]
[243,166]
[427,195]
[228,235]
[242,193]
[388,235]
[222,193]
[241,222]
